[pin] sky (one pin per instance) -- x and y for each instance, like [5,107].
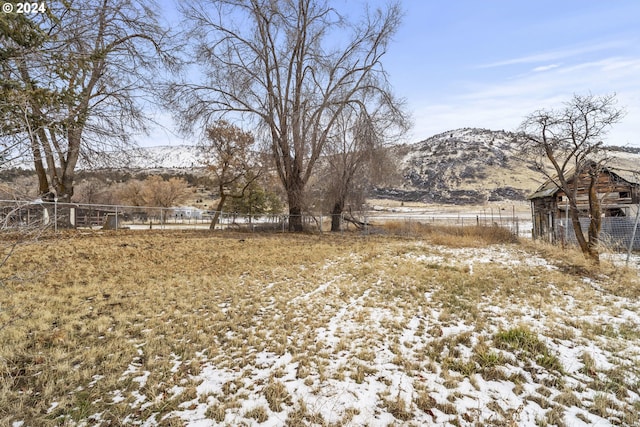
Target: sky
[489,63]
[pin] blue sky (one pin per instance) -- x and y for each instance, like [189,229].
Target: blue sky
[489,63]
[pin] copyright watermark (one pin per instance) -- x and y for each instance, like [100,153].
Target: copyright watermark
[24,8]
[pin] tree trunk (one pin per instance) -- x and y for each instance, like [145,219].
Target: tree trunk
[216,215]
[295,219]
[43,183]
[585,245]
[336,216]
[64,192]
[575,222]
[294,197]
[596,221]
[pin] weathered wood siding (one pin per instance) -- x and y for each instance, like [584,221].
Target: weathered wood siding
[617,197]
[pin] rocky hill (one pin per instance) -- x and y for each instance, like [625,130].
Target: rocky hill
[473,166]
[464,166]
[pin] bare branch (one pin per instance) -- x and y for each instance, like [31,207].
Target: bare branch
[570,140]
[271,63]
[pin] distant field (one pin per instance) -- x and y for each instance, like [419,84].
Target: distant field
[450,326]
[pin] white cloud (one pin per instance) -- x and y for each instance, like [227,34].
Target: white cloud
[555,55]
[545,68]
[504,104]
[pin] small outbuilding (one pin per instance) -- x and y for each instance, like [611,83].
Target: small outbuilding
[619,194]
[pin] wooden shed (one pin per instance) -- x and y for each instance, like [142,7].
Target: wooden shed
[618,191]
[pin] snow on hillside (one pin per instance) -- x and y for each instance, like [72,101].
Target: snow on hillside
[161,157]
[474,166]
[463,144]
[169,157]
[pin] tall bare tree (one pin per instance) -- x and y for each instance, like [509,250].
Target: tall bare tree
[290,66]
[78,89]
[357,152]
[156,191]
[568,143]
[228,156]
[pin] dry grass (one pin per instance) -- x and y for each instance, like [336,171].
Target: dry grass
[120,328]
[452,235]
[98,303]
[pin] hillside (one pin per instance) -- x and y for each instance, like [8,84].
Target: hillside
[161,157]
[463,166]
[142,158]
[473,166]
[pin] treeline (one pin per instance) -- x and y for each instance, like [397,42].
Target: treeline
[144,188]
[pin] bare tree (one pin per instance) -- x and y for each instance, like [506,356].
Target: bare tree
[156,192]
[568,145]
[357,153]
[93,190]
[76,91]
[227,155]
[165,193]
[132,193]
[290,66]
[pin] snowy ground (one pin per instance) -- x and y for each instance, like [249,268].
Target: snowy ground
[417,335]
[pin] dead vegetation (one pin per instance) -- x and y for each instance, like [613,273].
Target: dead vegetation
[170,327]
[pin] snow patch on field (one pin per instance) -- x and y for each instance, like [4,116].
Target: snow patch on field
[379,355]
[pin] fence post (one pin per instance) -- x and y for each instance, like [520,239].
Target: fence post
[633,234]
[116,217]
[366,223]
[566,220]
[55,214]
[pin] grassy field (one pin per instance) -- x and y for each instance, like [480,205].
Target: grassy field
[192,328]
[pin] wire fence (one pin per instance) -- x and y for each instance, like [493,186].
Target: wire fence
[55,215]
[52,214]
[35,217]
[615,232]
[411,224]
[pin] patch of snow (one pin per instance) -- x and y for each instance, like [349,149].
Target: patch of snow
[374,351]
[142,379]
